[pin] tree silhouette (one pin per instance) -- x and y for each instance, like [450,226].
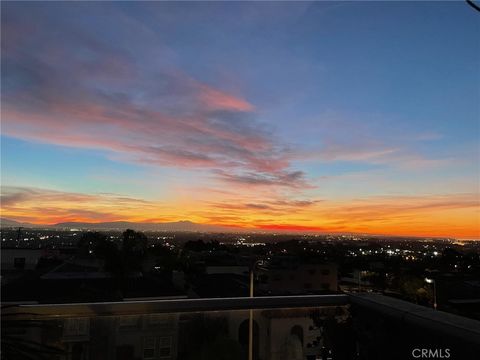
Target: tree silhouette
[134,250]
[89,242]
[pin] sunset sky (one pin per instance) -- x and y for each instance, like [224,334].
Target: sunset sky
[337,117]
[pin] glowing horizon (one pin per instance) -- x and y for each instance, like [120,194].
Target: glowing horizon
[328,117]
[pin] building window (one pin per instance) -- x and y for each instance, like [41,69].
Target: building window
[19,263]
[149,347]
[79,351]
[159,320]
[165,347]
[128,321]
[76,327]
[325,272]
[124,352]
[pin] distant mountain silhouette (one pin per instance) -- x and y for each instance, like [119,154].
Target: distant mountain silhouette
[123,225]
[187,226]
[12,223]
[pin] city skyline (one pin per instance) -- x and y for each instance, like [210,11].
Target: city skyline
[333,117]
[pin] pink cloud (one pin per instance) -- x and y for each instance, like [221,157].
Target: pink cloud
[216,99]
[90,94]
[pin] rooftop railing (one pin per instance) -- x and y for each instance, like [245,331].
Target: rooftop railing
[314,327]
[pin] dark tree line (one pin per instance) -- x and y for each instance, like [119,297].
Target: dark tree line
[118,260]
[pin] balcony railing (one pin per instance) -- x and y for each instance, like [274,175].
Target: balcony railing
[361,326]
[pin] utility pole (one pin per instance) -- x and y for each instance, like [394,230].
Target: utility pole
[250,319]
[19,232]
[434,283]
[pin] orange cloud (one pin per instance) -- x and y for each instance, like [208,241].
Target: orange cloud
[445,215]
[448,215]
[292,227]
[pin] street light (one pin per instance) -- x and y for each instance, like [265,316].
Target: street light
[250,320]
[432,281]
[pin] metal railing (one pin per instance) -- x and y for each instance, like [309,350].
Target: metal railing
[176,305]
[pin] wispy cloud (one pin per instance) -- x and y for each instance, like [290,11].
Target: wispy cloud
[65,85]
[294,179]
[52,206]
[369,139]
[427,215]
[377,208]
[278,206]
[455,214]
[423,215]
[12,196]
[215,99]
